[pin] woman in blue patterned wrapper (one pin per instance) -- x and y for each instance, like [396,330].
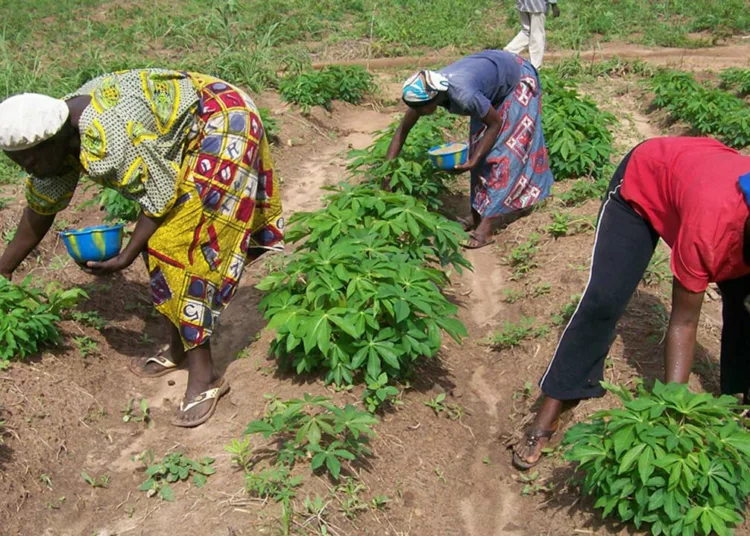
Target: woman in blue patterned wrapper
[508,161]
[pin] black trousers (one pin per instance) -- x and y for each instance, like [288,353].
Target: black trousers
[623,247]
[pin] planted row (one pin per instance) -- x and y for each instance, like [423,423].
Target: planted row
[708,111]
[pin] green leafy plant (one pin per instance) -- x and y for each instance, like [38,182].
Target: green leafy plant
[378,393]
[567,311]
[29,316]
[321,88]
[577,132]
[438,405]
[584,189]
[512,295]
[559,225]
[658,269]
[513,334]
[521,257]
[669,459]
[314,428]
[532,485]
[708,111]
[86,345]
[95,482]
[131,412]
[398,219]
[91,319]
[117,207]
[174,467]
[357,306]
[541,289]
[240,452]
[737,80]
[412,172]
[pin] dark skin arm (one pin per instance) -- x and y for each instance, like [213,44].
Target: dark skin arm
[494,123]
[31,230]
[681,333]
[144,230]
[402,132]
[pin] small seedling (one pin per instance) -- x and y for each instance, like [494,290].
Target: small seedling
[512,295]
[86,345]
[378,393]
[95,482]
[379,502]
[91,319]
[440,475]
[241,453]
[9,235]
[243,354]
[436,404]
[46,480]
[145,339]
[173,468]
[525,393]
[56,504]
[531,486]
[521,257]
[512,335]
[130,413]
[567,311]
[559,225]
[351,504]
[541,289]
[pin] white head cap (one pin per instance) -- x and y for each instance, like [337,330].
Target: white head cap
[28,119]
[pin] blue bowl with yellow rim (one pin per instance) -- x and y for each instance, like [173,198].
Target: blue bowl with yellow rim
[449,155]
[97,244]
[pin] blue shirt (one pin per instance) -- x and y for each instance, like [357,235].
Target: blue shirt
[481,80]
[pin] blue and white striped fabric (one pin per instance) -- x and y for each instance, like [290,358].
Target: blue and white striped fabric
[423,87]
[534,6]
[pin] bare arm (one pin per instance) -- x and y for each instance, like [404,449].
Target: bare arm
[144,230]
[402,132]
[494,123]
[31,229]
[681,333]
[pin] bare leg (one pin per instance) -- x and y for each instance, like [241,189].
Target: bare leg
[202,376]
[538,434]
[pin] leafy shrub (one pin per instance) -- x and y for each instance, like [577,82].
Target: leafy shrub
[412,172]
[29,316]
[321,88]
[671,459]
[399,219]
[737,80]
[357,305]
[577,132]
[708,111]
[118,207]
[313,428]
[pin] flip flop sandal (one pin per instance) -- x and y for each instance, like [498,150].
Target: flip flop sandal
[531,439]
[136,365]
[212,396]
[466,243]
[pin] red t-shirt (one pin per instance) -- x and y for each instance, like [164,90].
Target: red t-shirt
[687,188]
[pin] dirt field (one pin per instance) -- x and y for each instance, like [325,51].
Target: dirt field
[63,411]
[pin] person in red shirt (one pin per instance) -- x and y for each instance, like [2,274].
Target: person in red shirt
[694,194]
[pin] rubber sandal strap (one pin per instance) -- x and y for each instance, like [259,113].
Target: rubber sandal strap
[200,399]
[535,434]
[161,361]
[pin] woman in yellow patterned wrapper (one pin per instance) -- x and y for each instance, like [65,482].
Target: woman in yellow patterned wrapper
[191,150]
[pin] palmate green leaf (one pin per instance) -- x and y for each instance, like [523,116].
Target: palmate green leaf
[630,457]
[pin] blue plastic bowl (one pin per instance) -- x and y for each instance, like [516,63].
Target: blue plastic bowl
[449,155]
[94,243]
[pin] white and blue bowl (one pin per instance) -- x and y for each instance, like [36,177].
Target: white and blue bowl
[449,155]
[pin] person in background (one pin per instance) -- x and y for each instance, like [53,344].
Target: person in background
[508,162]
[192,151]
[693,193]
[532,14]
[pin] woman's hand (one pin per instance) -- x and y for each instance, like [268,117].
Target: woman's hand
[115,264]
[466,166]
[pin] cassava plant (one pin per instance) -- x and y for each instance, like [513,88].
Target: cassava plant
[399,219]
[355,306]
[670,460]
[314,428]
[29,316]
[321,88]
[412,172]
